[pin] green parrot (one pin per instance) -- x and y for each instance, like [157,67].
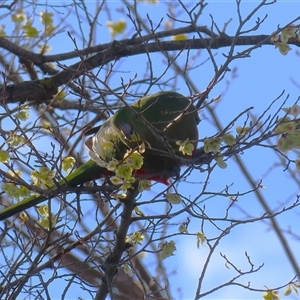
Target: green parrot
[146,140]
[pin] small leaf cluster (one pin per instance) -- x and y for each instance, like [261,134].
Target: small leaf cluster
[48,219]
[281,40]
[289,129]
[167,249]
[43,178]
[173,198]
[68,164]
[116,27]
[201,238]
[126,168]
[23,113]
[186,147]
[214,144]
[292,287]
[12,189]
[135,238]
[30,30]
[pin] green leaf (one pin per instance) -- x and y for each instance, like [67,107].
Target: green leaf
[271,295]
[43,210]
[242,130]
[182,228]
[296,284]
[201,238]
[4,156]
[44,48]
[212,144]
[229,139]
[68,164]
[274,37]
[173,198]
[283,48]
[167,249]
[24,191]
[137,237]
[186,147]
[2,31]
[288,290]
[288,33]
[46,17]
[144,185]
[15,140]
[24,217]
[126,268]
[42,178]
[289,141]
[294,110]
[19,16]
[23,113]
[30,31]
[115,180]
[180,37]
[285,124]
[11,189]
[220,162]
[45,222]
[138,211]
[117,27]
[133,159]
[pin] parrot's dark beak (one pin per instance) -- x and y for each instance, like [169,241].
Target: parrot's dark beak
[91,131]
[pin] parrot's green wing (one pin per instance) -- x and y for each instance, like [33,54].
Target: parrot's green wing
[171,118]
[87,172]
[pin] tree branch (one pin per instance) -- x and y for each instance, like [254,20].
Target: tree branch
[110,266]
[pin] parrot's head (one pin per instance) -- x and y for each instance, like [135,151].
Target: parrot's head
[129,124]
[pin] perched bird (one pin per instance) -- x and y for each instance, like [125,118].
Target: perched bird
[146,140]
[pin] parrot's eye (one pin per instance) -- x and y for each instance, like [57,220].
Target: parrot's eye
[126,128]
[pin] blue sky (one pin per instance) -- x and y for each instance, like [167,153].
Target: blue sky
[260,79]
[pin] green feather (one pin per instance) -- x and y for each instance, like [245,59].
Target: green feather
[159,120]
[87,172]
